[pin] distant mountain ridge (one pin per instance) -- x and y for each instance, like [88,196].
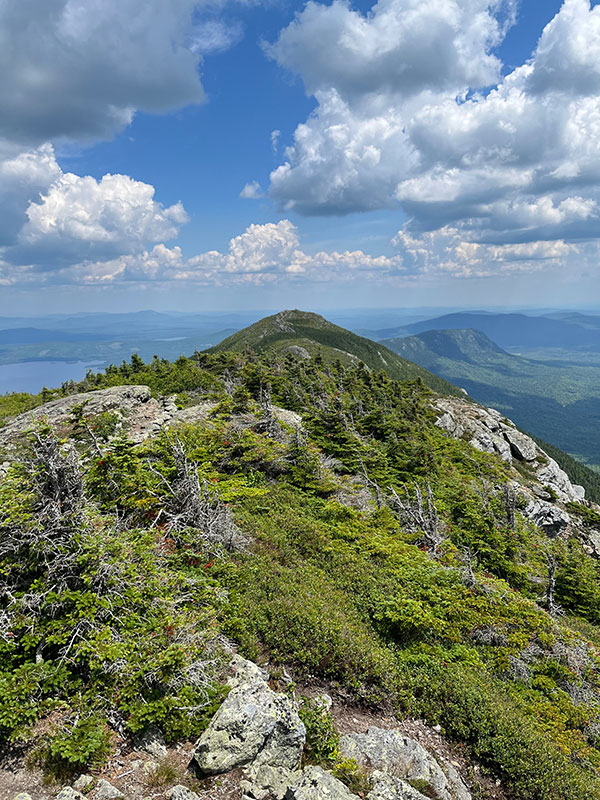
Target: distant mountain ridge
[559,404]
[510,330]
[462,344]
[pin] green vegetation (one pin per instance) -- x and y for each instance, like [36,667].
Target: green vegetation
[367,549]
[17,403]
[322,739]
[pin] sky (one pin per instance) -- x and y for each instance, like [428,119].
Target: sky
[231,154]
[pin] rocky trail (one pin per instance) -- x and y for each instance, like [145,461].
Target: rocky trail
[253,750]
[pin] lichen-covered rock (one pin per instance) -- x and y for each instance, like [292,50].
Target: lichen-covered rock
[388,787]
[68,793]
[22,796]
[152,742]
[84,783]
[254,726]
[391,752]
[549,518]
[264,781]
[180,792]
[315,783]
[244,672]
[106,791]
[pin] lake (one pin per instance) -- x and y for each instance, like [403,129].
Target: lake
[32,376]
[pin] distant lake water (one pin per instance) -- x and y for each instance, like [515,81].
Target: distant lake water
[32,376]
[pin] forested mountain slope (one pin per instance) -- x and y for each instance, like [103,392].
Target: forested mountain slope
[303,334]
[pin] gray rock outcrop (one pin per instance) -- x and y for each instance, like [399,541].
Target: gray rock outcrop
[387,787]
[549,518]
[255,728]
[315,783]
[488,431]
[393,753]
[557,479]
[297,351]
[138,414]
[521,446]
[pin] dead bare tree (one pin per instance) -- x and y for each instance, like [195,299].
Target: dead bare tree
[55,482]
[468,572]
[268,422]
[191,502]
[419,514]
[230,381]
[372,484]
[550,604]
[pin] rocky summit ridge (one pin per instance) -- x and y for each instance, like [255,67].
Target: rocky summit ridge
[274,575]
[139,416]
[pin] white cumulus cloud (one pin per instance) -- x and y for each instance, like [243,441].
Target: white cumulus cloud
[262,254]
[411,110]
[53,218]
[252,191]
[445,252]
[81,68]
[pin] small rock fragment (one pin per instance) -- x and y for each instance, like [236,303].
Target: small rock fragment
[84,783]
[68,793]
[152,742]
[180,792]
[106,791]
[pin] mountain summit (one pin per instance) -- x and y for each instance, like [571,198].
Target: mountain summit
[304,334]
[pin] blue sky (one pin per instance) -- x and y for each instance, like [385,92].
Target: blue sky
[448,176]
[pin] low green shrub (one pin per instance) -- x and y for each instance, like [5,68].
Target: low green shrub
[322,739]
[356,778]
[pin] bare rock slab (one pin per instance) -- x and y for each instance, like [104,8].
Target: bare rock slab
[316,784]
[393,753]
[254,726]
[387,787]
